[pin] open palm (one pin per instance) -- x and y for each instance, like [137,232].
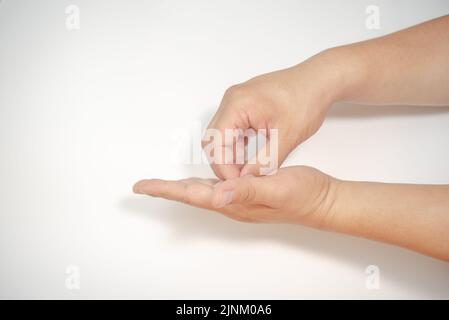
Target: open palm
[296,194]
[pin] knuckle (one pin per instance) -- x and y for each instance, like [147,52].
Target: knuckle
[234,90]
[237,93]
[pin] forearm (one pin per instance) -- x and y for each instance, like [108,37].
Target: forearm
[407,67]
[411,216]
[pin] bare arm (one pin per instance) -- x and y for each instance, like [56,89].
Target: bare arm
[411,216]
[406,67]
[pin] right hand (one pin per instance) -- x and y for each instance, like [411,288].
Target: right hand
[294,101]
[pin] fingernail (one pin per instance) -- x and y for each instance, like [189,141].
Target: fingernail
[136,189]
[225,199]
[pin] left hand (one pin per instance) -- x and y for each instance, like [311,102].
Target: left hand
[296,194]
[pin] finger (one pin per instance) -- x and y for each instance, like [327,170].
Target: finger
[223,157]
[268,157]
[196,192]
[247,190]
[209,182]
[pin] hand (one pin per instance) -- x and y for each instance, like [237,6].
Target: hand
[293,195]
[294,101]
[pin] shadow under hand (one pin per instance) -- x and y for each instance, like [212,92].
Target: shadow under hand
[408,268]
[349,110]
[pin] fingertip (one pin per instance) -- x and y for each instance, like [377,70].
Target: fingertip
[147,186]
[252,170]
[137,187]
[226,171]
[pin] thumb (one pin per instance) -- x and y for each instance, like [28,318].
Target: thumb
[247,190]
[268,158]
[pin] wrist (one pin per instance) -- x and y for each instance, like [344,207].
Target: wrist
[327,207]
[348,202]
[343,72]
[334,205]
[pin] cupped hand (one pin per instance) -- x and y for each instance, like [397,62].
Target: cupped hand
[293,195]
[293,101]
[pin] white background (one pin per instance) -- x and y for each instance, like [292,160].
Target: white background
[86,113]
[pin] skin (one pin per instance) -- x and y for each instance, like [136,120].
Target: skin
[407,67]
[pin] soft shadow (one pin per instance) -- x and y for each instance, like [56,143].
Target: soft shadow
[410,269]
[349,110]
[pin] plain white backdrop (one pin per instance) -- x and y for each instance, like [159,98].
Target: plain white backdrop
[85,113]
